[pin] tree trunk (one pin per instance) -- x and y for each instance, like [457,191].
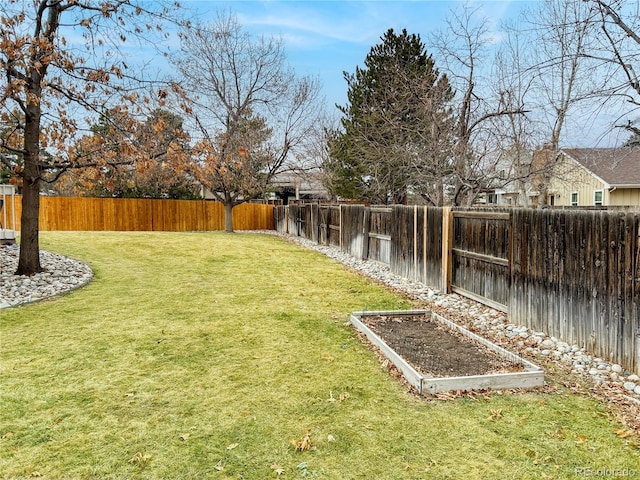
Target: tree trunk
[228,217]
[29,261]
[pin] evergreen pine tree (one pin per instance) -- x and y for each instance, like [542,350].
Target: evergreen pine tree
[396,127]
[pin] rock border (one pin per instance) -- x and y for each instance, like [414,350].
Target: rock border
[61,275]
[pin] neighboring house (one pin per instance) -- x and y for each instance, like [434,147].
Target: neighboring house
[509,180]
[291,186]
[596,177]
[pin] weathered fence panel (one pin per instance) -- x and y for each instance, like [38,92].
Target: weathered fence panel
[403,242]
[353,234]
[294,220]
[281,218]
[379,233]
[139,214]
[312,219]
[334,216]
[431,258]
[480,264]
[323,225]
[576,276]
[416,243]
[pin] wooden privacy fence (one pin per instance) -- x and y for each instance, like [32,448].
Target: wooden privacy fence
[318,223]
[573,274]
[576,275]
[135,214]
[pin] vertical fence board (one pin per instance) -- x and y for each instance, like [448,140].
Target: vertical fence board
[351,230]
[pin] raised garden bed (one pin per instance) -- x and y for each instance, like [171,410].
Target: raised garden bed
[437,355]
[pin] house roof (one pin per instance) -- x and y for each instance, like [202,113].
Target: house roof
[617,167]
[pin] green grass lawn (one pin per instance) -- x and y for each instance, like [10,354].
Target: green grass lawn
[197,356]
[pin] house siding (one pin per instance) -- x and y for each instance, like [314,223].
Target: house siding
[624,196]
[570,177]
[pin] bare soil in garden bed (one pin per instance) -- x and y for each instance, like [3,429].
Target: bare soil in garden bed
[435,350]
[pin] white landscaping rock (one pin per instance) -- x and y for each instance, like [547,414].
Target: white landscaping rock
[61,274]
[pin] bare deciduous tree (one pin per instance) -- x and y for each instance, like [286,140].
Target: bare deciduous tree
[463,46]
[514,132]
[619,26]
[252,114]
[559,76]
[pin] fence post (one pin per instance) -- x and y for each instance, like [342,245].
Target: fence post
[313,230]
[286,219]
[365,233]
[340,226]
[447,238]
[415,243]
[424,246]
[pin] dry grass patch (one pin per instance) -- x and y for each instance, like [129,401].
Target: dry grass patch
[197,356]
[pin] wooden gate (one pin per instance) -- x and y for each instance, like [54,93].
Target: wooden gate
[480,256]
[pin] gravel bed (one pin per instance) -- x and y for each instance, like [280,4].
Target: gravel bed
[61,274]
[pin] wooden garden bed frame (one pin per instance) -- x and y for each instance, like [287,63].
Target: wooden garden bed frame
[531,377]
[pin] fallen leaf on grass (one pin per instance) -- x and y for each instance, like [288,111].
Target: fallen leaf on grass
[54,423]
[623,433]
[232,446]
[277,468]
[581,439]
[331,438]
[328,357]
[303,443]
[185,436]
[140,458]
[495,414]
[219,466]
[558,433]
[341,398]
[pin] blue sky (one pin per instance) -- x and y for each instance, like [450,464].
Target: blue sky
[325,38]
